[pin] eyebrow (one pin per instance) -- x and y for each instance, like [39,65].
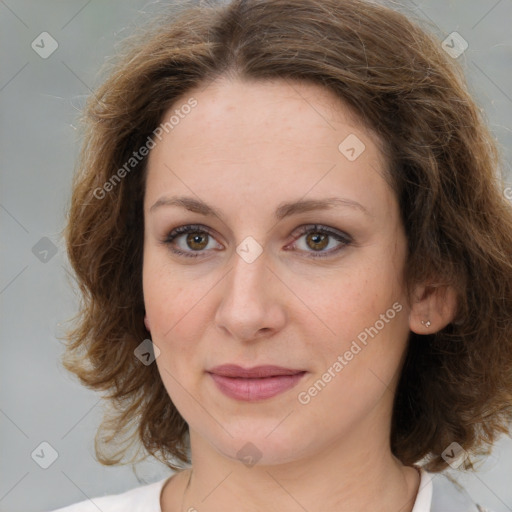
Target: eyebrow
[282,211]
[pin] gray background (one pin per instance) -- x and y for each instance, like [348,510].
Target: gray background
[40,99]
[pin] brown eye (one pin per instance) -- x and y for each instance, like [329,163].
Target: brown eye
[313,239]
[317,241]
[197,241]
[191,241]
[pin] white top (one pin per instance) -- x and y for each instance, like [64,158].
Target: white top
[424,496]
[435,494]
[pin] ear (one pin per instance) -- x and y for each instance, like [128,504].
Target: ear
[434,303]
[146,322]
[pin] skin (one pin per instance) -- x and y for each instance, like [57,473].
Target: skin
[246,148]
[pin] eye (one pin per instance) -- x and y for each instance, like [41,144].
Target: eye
[319,238]
[190,240]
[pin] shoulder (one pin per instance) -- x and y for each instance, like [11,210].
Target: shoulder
[145,498]
[447,495]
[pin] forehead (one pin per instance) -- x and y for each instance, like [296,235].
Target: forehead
[266,138]
[246,105]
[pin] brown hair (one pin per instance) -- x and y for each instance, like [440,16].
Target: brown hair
[456,384]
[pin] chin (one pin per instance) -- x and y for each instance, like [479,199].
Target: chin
[252,444]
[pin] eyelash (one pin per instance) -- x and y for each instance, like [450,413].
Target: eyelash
[304,230]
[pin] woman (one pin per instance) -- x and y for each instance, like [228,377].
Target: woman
[296,261]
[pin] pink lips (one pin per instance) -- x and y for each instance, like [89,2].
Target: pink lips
[251,384]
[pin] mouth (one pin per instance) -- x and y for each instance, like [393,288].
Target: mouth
[254,384]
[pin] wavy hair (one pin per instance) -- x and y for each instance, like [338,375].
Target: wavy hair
[443,166]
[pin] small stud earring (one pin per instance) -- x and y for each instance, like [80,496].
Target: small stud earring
[426,324]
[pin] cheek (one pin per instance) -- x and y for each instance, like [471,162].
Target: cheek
[350,300]
[172,312]
[364,320]
[168,299]
[176,310]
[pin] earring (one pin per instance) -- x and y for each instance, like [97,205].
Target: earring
[426,324]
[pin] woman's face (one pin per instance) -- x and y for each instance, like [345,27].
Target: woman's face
[301,267]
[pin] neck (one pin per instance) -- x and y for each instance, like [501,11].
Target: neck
[340,478]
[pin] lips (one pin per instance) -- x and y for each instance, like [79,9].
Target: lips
[257,372]
[257,383]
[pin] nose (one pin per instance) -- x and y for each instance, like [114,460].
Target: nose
[251,305]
